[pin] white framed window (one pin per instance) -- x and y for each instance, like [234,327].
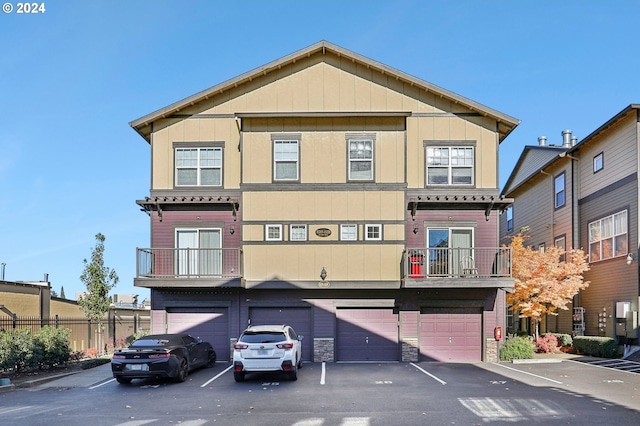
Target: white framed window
[373,232]
[273,232]
[298,232]
[198,166]
[561,243]
[509,213]
[349,232]
[360,159]
[286,159]
[608,237]
[450,165]
[598,162]
[559,190]
[198,251]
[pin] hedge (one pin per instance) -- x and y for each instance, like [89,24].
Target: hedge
[22,349]
[602,347]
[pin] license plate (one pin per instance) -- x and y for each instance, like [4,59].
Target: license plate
[263,352]
[138,367]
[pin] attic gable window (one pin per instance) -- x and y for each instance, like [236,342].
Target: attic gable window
[198,166]
[449,163]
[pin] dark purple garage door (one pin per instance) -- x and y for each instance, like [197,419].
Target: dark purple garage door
[209,324]
[451,334]
[298,318]
[369,334]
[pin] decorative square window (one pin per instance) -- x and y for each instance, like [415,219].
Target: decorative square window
[298,232]
[198,166]
[559,190]
[509,213]
[360,159]
[598,162]
[450,165]
[349,232]
[373,232]
[286,157]
[608,237]
[273,232]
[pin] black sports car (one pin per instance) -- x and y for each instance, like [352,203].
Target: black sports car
[161,356]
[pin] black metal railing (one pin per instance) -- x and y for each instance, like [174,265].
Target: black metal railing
[188,263]
[473,262]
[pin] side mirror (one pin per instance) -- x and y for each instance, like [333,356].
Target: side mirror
[300,338]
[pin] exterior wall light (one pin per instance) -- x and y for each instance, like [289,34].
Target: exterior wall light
[323,274]
[631,258]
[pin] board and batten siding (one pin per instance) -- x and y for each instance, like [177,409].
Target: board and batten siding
[164,233]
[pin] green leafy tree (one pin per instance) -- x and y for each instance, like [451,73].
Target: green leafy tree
[99,280]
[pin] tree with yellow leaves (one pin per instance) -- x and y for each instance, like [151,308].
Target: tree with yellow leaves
[545,281]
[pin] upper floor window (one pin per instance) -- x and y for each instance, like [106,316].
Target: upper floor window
[198,166]
[349,232]
[608,237]
[509,213]
[559,190]
[561,243]
[598,162]
[450,165]
[286,158]
[273,233]
[298,232]
[373,232]
[360,159]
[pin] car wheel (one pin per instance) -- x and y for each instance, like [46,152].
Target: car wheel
[183,371]
[299,362]
[211,358]
[238,376]
[293,374]
[123,380]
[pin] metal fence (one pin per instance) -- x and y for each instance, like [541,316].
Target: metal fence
[85,333]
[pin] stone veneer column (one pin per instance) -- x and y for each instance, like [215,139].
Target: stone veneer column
[410,349]
[323,350]
[491,351]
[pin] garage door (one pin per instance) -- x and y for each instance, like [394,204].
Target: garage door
[367,335]
[209,324]
[298,318]
[451,335]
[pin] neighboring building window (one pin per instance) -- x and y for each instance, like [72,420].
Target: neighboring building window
[559,190]
[541,248]
[598,162]
[198,166]
[608,237]
[298,232]
[360,159]
[510,218]
[561,244]
[449,165]
[285,159]
[273,232]
[349,232]
[373,232]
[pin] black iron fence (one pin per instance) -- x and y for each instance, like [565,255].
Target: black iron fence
[86,334]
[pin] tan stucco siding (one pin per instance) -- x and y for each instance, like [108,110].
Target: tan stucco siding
[20,304]
[346,262]
[66,309]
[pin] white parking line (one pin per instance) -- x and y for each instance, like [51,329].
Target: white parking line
[211,380]
[323,374]
[101,384]
[524,372]
[442,382]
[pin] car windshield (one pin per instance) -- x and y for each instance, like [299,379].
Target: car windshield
[150,342]
[264,337]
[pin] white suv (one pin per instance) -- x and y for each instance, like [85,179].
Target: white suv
[264,348]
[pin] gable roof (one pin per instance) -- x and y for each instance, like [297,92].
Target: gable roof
[142,125]
[533,159]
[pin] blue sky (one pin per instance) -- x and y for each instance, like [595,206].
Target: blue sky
[73,77]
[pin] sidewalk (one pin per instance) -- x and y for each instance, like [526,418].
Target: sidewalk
[82,378]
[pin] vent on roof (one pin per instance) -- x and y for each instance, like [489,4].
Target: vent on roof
[566,138]
[542,141]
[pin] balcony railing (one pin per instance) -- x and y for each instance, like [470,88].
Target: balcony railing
[423,263]
[211,263]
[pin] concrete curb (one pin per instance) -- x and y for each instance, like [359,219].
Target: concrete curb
[536,361]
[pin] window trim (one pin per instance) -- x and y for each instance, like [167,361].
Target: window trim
[349,225]
[598,157]
[614,236]
[557,192]
[366,232]
[285,137]
[198,146]
[465,144]
[509,216]
[365,137]
[274,226]
[303,226]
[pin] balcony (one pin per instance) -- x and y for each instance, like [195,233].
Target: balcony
[168,267]
[475,267]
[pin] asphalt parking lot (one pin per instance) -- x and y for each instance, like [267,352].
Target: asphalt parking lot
[566,392]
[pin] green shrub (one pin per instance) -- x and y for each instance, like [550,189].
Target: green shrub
[22,349]
[517,347]
[94,362]
[136,336]
[563,339]
[602,347]
[53,343]
[16,349]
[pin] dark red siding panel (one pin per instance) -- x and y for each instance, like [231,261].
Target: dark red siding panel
[163,233]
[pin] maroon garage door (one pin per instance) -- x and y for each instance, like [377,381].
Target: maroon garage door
[367,335]
[298,318]
[451,334]
[209,324]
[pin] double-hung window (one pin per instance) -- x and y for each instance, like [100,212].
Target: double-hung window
[198,166]
[286,160]
[449,165]
[360,159]
[559,190]
[608,237]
